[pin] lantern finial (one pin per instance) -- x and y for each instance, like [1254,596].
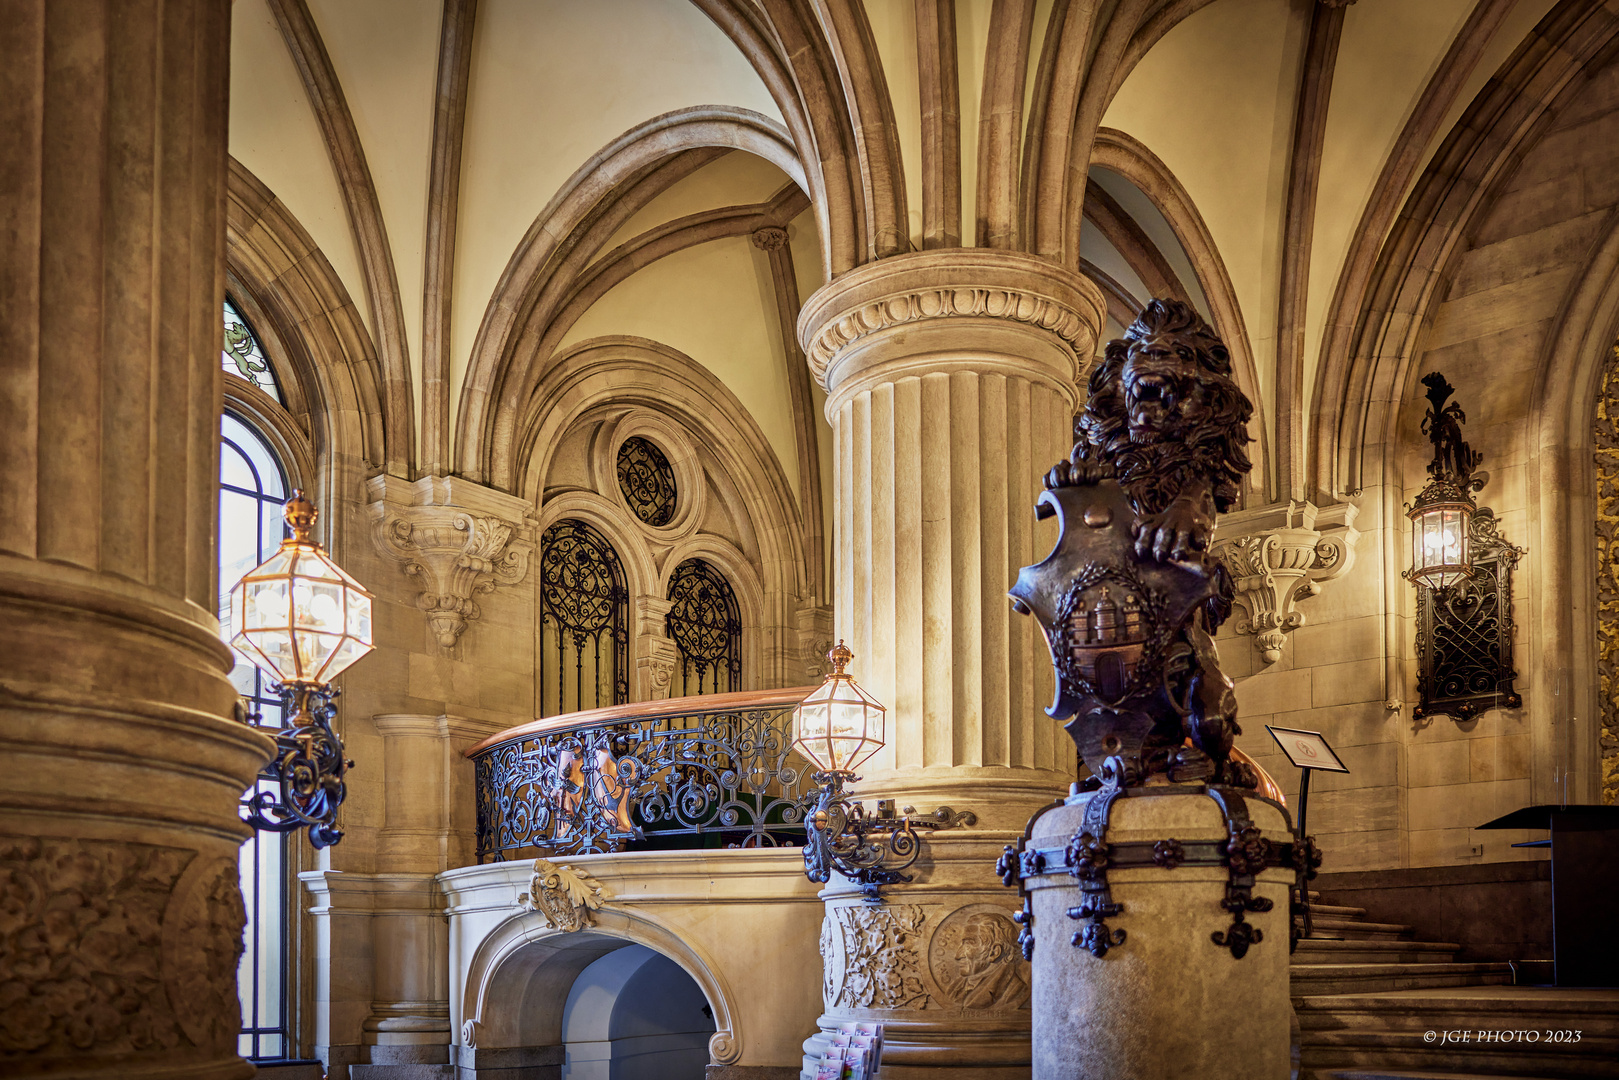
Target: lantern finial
[300,514]
[839,657]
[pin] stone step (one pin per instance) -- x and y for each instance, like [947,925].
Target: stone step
[1337,911]
[1336,951]
[1407,1074]
[1316,979]
[1356,929]
[1403,1031]
[1327,1054]
[1593,1013]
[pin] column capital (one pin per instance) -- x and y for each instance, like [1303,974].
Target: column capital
[865,324]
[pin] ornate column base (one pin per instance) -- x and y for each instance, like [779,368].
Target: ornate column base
[936,963]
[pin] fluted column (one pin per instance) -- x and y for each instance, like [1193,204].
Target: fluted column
[118,817]
[951,387]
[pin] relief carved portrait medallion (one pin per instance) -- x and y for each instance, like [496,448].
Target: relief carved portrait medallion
[975,961]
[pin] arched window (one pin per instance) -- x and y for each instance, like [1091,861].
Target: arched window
[244,357]
[252,488]
[707,629]
[584,636]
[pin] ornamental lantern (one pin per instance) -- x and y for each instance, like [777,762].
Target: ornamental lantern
[1442,516]
[298,616]
[839,725]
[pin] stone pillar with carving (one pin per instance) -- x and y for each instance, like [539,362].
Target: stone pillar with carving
[119,823]
[950,377]
[656,655]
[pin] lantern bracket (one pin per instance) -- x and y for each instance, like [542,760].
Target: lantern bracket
[308,768]
[869,850]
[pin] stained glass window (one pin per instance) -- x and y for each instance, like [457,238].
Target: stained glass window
[646,481]
[252,488]
[707,629]
[244,357]
[584,634]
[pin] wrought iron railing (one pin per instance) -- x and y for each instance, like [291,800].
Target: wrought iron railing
[715,770]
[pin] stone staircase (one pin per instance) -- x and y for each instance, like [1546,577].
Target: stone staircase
[1367,996]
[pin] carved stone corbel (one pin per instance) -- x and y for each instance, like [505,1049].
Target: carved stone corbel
[455,548]
[1274,568]
[565,896]
[656,655]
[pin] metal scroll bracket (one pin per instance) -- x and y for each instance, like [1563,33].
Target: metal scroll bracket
[871,850]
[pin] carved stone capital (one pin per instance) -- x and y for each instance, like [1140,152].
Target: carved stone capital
[1273,569]
[770,238]
[565,896]
[965,288]
[454,550]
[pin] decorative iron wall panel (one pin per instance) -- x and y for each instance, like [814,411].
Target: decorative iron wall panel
[646,481]
[1464,633]
[706,626]
[584,632]
[685,780]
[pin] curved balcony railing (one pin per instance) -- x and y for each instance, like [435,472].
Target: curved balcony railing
[715,770]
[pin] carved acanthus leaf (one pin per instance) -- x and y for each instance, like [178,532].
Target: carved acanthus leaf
[454,554]
[564,895]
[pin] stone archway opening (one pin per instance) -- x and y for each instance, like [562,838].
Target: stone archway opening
[635,1014]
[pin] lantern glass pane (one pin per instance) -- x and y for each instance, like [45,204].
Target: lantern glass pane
[359,618]
[347,651]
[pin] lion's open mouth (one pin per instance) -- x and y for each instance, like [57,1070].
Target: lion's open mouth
[1150,397]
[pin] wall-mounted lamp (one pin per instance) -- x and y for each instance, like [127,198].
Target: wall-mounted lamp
[838,727]
[1462,568]
[301,620]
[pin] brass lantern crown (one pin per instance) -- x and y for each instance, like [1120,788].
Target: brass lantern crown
[298,616]
[838,726]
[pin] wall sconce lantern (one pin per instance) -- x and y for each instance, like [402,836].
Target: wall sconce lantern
[302,620]
[1462,568]
[1442,515]
[838,727]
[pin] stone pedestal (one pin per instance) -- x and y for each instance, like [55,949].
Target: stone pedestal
[950,377]
[1166,1001]
[118,796]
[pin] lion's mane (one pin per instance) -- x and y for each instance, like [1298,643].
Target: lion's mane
[1213,447]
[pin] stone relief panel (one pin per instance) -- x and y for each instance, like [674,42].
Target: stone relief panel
[1607,530]
[975,960]
[873,957]
[115,947]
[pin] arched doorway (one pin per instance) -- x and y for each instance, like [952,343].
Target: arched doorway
[634,1014]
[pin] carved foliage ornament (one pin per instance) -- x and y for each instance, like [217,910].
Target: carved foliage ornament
[113,948]
[455,555]
[565,896]
[1607,541]
[1273,571]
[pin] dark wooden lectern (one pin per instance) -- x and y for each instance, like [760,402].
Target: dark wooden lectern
[1585,887]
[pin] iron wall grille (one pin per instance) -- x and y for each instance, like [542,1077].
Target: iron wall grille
[706,626]
[726,778]
[584,636]
[1464,633]
[646,480]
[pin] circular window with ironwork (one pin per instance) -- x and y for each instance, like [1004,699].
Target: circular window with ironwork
[647,481]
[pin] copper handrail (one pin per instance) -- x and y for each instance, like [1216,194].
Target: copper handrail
[695,705]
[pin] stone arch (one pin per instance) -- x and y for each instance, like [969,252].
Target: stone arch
[767,569]
[518,980]
[318,341]
[601,194]
[1127,156]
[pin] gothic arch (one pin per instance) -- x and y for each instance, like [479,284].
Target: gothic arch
[603,193]
[320,345]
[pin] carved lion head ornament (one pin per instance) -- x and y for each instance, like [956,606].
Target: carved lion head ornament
[1130,599]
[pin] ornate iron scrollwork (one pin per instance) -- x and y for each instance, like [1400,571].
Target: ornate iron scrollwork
[583,605]
[308,769]
[646,481]
[870,850]
[1464,633]
[706,626]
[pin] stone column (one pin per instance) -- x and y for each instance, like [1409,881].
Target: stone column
[656,654]
[118,799]
[950,377]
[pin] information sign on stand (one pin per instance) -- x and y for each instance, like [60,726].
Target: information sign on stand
[1310,752]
